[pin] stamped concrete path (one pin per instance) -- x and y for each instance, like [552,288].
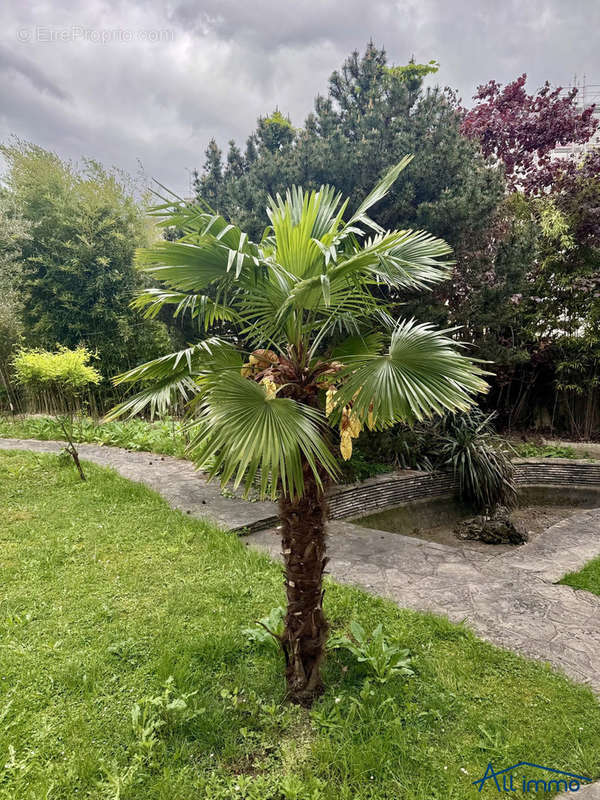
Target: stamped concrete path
[510,599]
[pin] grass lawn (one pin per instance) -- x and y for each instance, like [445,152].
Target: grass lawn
[533,450]
[587,578]
[106,594]
[165,436]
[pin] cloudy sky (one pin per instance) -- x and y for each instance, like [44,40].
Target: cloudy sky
[148,82]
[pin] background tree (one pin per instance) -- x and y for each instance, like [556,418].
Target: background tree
[77,275]
[563,306]
[373,113]
[521,129]
[541,326]
[210,184]
[14,231]
[461,187]
[309,291]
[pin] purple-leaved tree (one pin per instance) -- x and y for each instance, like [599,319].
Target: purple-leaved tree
[522,129]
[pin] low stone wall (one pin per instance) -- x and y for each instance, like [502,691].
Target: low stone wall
[391,489]
[557,471]
[397,488]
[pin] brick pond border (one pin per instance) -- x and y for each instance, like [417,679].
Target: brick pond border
[396,488]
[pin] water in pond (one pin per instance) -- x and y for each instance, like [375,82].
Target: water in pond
[434,520]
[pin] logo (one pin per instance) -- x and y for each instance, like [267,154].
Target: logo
[506,780]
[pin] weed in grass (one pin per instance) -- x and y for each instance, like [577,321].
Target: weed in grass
[384,660]
[267,630]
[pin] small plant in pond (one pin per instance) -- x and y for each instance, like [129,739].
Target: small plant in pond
[60,380]
[469,446]
[384,659]
[466,445]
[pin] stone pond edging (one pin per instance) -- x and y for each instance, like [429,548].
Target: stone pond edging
[396,488]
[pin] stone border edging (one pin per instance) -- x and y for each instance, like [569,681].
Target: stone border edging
[396,488]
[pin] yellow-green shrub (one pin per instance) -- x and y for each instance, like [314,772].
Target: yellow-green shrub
[65,373]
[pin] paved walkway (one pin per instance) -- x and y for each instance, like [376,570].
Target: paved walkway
[510,599]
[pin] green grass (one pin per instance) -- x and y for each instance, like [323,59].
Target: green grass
[532,450]
[587,578]
[164,436]
[106,593]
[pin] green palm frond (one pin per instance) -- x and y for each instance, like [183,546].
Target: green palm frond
[245,431]
[175,377]
[209,355]
[193,266]
[199,306]
[162,395]
[421,373]
[304,225]
[404,259]
[311,278]
[199,220]
[375,195]
[356,345]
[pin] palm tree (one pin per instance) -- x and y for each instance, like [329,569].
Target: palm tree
[307,356]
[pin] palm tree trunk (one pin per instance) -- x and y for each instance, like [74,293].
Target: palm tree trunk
[306,629]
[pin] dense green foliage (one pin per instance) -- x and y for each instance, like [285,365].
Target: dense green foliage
[542,322]
[525,283]
[372,116]
[532,305]
[107,593]
[62,376]
[76,260]
[13,232]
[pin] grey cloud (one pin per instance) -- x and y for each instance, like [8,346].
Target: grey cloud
[14,64]
[276,24]
[229,61]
